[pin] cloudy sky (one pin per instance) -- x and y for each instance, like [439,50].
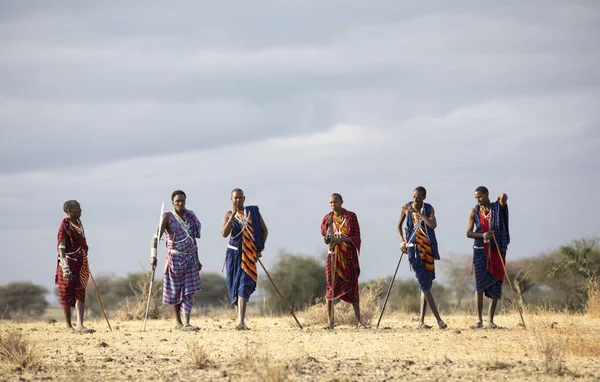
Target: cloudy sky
[118,104]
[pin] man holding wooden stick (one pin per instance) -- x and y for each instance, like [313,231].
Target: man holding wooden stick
[421,246]
[247,234]
[181,274]
[488,225]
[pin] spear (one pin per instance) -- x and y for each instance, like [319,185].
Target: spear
[279,293]
[520,305]
[162,209]
[394,278]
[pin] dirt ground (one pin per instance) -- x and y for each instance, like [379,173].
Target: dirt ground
[554,347]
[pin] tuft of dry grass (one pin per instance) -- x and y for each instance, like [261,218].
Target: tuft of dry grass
[583,347]
[197,357]
[17,352]
[592,306]
[134,308]
[344,313]
[256,358]
[551,348]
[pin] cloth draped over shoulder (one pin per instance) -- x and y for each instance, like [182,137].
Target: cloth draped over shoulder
[245,245]
[424,250]
[487,258]
[343,268]
[76,253]
[181,275]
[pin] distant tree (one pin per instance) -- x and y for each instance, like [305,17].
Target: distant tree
[22,297]
[300,279]
[214,290]
[461,281]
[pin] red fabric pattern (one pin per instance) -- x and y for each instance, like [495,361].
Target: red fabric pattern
[73,289]
[494,260]
[347,267]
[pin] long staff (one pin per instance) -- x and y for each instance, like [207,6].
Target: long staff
[279,293]
[100,301]
[162,209]
[520,305]
[394,278]
[389,290]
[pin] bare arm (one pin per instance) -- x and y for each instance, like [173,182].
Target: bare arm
[227,225]
[429,220]
[263,228]
[164,226]
[471,225]
[399,227]
[503,198]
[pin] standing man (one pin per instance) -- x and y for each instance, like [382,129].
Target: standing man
[488,225]
[72,269]
[247,241]
[341,233]
[182,265]
[422,248]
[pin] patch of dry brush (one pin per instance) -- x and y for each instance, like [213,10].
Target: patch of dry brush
[17,352]
[344,313]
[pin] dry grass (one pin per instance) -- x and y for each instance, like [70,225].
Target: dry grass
[272,351]
[197,357]
[550,346]
[256,358]
[344,313]
[592,306]
[17,352]
[134,308]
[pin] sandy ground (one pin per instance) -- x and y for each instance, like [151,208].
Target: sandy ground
[276,350]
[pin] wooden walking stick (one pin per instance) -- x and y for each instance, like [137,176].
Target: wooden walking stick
[279,293]
[389,290]
[520,305]
[162,210]
[100,301]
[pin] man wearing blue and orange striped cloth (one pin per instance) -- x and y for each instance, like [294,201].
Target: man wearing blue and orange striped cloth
[420,243]
[247,235]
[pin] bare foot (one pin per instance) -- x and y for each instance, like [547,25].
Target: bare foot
[329,326]
[491,325]
[422,326]
[189,328]
[83,330]
[242,327]
[477,325]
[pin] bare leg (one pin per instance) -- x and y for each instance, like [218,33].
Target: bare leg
[176,309]
[492,311]
[242,303]
[424,307]
[359,322]
[80,307]
[187,319]
[429,298]
[479,307]
[67,312]
[330,323]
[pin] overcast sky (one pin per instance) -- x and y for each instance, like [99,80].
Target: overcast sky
[117,104]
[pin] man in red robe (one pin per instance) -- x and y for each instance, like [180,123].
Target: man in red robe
[72,270]
[341,232]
